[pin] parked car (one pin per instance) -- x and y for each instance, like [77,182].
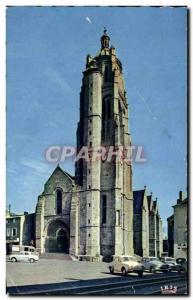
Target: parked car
[183,263]
[20,248]
[126,264]
[153,264]
[173,265]
[24,256]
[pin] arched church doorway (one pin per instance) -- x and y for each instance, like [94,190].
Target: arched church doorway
[57,238]
[62,241]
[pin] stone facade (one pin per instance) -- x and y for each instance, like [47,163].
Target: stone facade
[92,214]
[106,226]
[54,210]
[141,223]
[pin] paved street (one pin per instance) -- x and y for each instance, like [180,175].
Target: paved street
[64,275]
[53,271]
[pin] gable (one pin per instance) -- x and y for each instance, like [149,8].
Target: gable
[145,202]
[58,179]
[155,206]
[150,202]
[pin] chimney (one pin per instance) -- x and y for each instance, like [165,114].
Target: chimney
[180,197]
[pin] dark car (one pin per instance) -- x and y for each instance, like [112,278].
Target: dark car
[173,265]
[183,263]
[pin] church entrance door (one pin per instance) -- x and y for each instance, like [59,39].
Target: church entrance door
[57,238]
[62,241]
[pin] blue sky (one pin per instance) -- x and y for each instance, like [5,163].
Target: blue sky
[46,54]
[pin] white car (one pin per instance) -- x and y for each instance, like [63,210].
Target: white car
[24,256]
[126,264]
[153,264]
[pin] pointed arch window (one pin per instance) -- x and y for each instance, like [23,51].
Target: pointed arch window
[104,209]
[103,110]
[106,74]
[58,201]
[108,103]
[106,108]
[118,218]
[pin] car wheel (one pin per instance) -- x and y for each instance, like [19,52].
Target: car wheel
[152,270]
[13,259]
[111,269]
[124,272]
[140,273]
[32,260]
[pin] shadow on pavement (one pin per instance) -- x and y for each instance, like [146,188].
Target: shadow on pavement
[67,288]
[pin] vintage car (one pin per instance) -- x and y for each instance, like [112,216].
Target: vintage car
[126,264]
[173,265]
[153,264]
[183,263]
[24,256]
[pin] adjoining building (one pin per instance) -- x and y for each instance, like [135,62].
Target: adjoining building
[178,228]
[92,214]
[20,229]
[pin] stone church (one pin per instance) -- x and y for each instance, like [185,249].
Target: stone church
[92,213]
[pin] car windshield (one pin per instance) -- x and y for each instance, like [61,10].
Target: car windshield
[171,259]
[126,258]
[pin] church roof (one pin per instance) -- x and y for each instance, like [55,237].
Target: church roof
[149,201]
[155,204]
[66,173]
[152,204]
[58,168]
[138,197]
[155,207]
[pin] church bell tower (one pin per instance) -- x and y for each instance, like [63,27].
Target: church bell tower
[106,200]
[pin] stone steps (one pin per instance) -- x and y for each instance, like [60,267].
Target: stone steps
[58,256]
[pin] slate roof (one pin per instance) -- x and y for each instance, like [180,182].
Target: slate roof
[66,173]
[155,204]
[149,200]
[138,200]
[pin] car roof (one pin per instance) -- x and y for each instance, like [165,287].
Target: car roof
[123,256]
